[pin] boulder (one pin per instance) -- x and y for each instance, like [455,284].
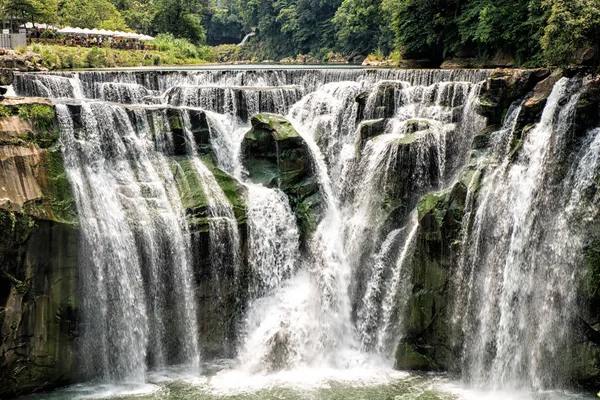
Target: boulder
[503,87]
[382,101]
[425,346]
[369,129]
[7,76]
[193,198]
[275,155]
[336,58]
[535,103]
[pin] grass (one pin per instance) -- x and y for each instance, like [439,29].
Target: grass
[169,51]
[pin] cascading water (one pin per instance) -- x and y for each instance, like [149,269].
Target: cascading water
[521,257]
[135,247]
[378,140]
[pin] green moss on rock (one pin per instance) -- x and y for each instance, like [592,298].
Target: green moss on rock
[193,196]
[425,345]
[191,193]
[407,357]
[275,155]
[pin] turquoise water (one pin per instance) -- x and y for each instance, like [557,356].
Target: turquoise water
[223,383]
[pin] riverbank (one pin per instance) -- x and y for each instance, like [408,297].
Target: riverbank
[170,52]
[54,57]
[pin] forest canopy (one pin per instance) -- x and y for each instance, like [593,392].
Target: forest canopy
[531,32]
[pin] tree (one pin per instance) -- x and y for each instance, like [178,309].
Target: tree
[90,14]
[223,27]
[138,14]
[181,18]
[513,27]
[358,24]
[573,25]
[424,28]
[21,11]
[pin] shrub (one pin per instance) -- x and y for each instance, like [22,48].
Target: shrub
[227,53]
[40,115]
[96,58]
[48,34]
[49,58]
[395,56]
[5,112]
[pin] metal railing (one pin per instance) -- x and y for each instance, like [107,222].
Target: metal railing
[13,40]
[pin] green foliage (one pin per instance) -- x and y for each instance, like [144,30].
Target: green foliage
[572,25]
[40,115]
[30,10]
[514,27]
[358,22]
[138,14]
[91,14]
[530,32]
[174,52]
[168,42]
[5,112]
[227,53]
[96,58]
[180,18]
[424,28]
[223,27]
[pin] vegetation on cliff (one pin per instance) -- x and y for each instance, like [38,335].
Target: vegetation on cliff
[38,257]
[512,32]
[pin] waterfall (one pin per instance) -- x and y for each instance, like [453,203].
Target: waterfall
[136,256]
[272,326]
[235,274]
[224,244]
[273,239]
[522,267]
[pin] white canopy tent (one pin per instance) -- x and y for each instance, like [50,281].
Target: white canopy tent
[103,32]
[30,25]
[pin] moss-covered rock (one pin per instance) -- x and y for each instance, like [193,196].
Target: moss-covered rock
[426,345]
[220,283]
[38,251]
[275,155]
[193,197]
[32,177]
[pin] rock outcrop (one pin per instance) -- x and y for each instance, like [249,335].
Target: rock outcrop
[426,345]
[38,253]
[275,155]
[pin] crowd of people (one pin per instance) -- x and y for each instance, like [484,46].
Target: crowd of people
[52,36]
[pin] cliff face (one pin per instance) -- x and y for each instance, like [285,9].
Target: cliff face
[38,252]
